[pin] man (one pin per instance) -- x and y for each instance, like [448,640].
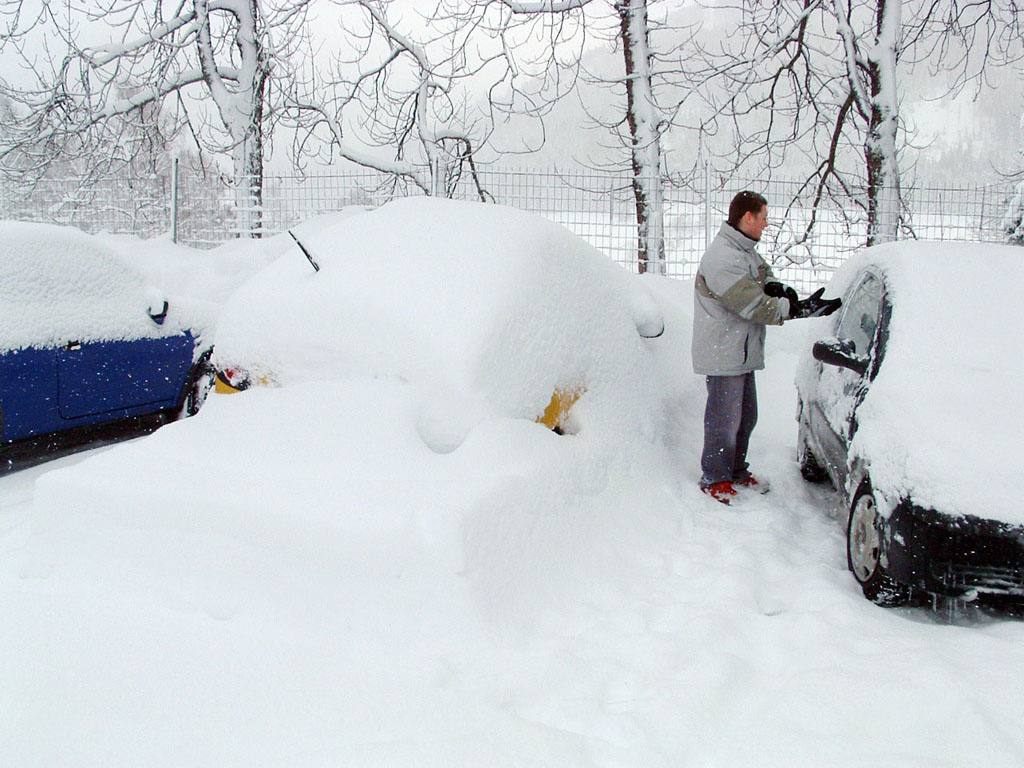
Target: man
[735,297]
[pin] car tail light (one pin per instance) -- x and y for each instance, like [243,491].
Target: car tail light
[232,380]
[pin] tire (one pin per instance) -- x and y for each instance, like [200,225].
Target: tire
[197,387]
[810,468]
[863,552]
[196,395]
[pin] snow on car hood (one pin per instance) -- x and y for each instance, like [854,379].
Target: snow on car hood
[59,284]
[490,307]
[942,421]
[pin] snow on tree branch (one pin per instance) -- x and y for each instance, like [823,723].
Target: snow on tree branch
[389,97]
[544,6]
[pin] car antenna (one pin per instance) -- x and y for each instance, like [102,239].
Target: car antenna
[316,267]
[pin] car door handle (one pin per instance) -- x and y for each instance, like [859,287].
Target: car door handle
[73,346]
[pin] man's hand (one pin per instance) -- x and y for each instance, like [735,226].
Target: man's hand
[814,306]
[781,291]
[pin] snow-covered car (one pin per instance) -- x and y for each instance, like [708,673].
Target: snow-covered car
[910,403]
[496,310]
[397,428]
[86,342]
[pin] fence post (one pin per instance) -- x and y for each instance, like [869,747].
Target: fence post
[707,205]
[981,218]
[174,202]
[611,214]
[436,182]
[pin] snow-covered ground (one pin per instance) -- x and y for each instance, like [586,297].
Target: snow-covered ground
[322,587]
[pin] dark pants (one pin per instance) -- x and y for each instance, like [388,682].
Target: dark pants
[729,418]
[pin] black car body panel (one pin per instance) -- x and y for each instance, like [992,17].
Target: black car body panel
[959,557]
[956,556]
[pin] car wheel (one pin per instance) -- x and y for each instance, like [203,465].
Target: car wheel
[198,386]
[864,549]
[810,469]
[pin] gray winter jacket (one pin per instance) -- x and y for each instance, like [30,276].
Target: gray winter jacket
[730,308]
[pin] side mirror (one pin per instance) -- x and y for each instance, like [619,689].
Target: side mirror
[840,353]
[648,316]
[650,327]
[158,315]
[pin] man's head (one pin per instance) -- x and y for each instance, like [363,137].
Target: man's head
[748,212]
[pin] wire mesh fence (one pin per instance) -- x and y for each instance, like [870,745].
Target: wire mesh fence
[203,210]
[124,205]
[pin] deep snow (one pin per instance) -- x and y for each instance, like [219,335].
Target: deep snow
[319,587]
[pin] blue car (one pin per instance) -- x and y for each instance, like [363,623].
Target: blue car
[86,345]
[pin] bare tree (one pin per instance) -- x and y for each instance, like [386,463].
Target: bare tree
[871,73]
[645,126]
[388,100]
[816,85]
[204,65]
[226,73]
[531,82]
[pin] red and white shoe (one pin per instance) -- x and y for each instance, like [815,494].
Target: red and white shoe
[753,484]
[722,492]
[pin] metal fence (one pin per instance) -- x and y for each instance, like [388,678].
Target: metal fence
[598,206]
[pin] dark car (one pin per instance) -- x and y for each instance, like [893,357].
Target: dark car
[86,345]
[910,404]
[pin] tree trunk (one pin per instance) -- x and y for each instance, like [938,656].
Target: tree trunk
[880,147]
[240,105]
[1013,218]
[248,163]
[643,120]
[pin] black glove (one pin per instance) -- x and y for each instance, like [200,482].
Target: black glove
[781,291]
[814,306]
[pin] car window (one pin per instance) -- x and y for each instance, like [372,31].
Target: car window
[861,316]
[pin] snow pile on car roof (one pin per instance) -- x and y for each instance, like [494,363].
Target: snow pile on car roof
[413,366]
[942,421]
[491,308]
[59,284]
[208,277]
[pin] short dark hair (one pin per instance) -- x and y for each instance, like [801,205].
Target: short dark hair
[742,203]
